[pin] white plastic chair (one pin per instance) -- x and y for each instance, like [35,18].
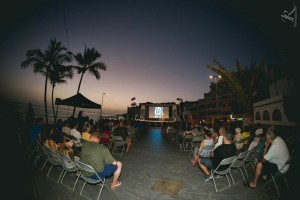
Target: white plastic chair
[68,166]
[222,172]
[119,145]
[238,165]
[85,168]
[274,177]
[54,161]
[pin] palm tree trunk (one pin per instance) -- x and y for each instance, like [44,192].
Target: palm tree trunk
[78,91]
[54,114]
[45,99]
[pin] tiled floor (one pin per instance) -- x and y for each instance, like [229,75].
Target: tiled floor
[151,159]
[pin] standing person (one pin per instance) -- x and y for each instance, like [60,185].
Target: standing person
[99,157]
[275,155]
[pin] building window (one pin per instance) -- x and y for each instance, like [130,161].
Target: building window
[276,115]
[257,116]
[266,115]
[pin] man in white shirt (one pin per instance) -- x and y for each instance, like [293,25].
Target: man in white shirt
[275,155]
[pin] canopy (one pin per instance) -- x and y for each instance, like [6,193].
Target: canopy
[78,100]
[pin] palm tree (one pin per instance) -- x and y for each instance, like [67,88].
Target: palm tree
[44,62]
[248,85]
[58,76]
[87,63]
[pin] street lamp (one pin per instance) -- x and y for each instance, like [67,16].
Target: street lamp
[216,82]
[103,93]
[180,110]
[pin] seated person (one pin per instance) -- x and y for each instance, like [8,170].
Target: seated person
[274,156]
[121,130]
[86,131]
[204,149]
[99,157]
[50,140]
[226,150]
[75,133]
[219,138]
[67,148]
[238,139]
[106,131]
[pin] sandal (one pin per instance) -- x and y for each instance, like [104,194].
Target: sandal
[113,187]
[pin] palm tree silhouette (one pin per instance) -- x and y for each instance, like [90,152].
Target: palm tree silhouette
[247,84]
[87,62]
[44,62]
[58,75]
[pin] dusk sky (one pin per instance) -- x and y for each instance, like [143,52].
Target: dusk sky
[155,50]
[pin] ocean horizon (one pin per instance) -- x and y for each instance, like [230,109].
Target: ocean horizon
[63,112]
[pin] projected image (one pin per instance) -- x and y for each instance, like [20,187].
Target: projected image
[158,112]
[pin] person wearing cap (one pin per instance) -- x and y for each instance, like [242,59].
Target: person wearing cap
[258,133]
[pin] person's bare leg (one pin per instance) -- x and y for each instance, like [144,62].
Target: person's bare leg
[203,168]
[258,172]
[117,173]
[128,144]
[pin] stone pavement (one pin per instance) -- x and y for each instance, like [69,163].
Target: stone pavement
[151,159]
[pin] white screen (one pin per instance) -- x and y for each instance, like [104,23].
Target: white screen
[158,112]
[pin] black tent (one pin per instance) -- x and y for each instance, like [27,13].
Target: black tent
[78,100]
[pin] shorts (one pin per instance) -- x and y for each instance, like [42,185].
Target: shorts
[269,168]
[108,171]
[206,162]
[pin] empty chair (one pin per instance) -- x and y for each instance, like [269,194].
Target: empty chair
[249,160]
[68,166]
[275,177]
[54,161]
[222,172]
[87,169]
[41,153]
[119,145]
[238,165]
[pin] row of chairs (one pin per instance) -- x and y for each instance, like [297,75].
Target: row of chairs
[240,163]
[65,165]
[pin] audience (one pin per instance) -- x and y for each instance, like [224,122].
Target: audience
[226,150]
[274,156]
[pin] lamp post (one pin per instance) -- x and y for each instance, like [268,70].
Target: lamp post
[217,100]
[103,93]
[180,110]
